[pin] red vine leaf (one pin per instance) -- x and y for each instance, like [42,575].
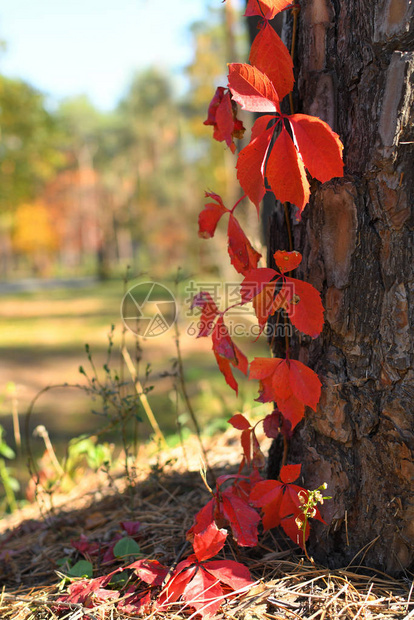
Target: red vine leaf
[210,216]
[222,116]
[251,160]
[251,447]
[209,542]
[305,309]
[266,8]
[227,354]
[239,421]
[287,261]
[286,173]
[150,571]
[242,254]
[228,507]
[290,473]
[267,46]
[255,281]
[199,584]
[242,518]
[252,89]
[209,312]
[289,383]
[280,502]
[320,147]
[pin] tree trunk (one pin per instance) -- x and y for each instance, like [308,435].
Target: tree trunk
[355,70]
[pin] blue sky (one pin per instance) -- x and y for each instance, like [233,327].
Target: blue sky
[68,47]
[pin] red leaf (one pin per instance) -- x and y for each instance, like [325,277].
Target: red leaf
[150,571]
[130,527]
[233,574]
[209,542]
[239,421]
[266,47]
[203,519]
[204,593]
[222,343]
[288,382]
[136,604]
[175,587]
[210,216]
[242,254]
[285,172]
[266,8]
[319,146]
[263,303]
[225,122]
[242,518]
[291,529]
[305,310]
[250,163]
[245,441]
[252,89]
[226,353]
[287,261]
[305,383]
[222,115]
[268,495]
[225,369]
[254,282]
[209,312]
[276,423]
[290,473]
[271,425]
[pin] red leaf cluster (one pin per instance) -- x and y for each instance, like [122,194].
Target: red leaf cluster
[300,142]
[281,503]
[289,383]
[299,299]
[230,507]
[201,584]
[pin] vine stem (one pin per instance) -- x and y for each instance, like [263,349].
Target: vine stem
[295,13]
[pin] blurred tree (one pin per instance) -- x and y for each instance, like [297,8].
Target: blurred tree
[35,235]
[28,157]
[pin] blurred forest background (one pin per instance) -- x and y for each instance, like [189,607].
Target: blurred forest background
[84,194]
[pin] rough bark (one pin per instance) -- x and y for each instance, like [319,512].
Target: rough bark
[356,71]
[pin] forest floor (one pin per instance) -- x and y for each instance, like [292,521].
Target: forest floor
[164,492]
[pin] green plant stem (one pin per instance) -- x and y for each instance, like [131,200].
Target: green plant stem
[142,396]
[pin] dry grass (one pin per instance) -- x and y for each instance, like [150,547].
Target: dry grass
[168,490]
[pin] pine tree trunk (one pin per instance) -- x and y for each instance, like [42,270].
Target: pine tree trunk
[355,70]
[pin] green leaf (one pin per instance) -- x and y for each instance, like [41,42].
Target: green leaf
[126,547]
[83,568]
[6,451]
